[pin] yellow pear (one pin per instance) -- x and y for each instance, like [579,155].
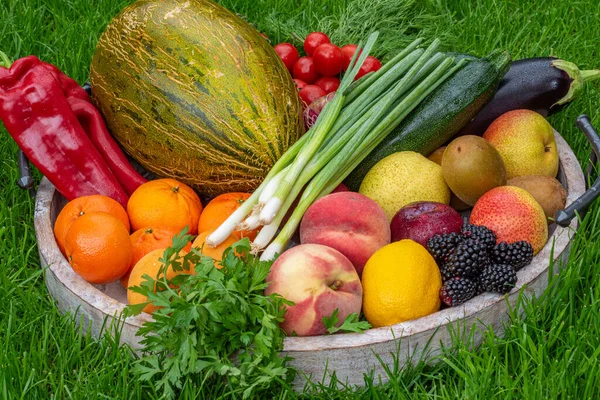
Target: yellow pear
[402,178]
[525,140]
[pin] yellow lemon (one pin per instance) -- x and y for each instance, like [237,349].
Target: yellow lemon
[401,281]
[402,178]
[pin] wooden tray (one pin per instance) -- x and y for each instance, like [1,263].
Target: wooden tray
[348,355]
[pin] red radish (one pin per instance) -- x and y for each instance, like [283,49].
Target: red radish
[310,93]
[371,64]
[347,54]
[311,113]
[328,59]
[299,84]
[328,83]
[304,69]
[288,54]
[313,40]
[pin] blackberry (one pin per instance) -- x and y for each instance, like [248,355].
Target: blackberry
[499,278]
[481,233]
[446,272]
[441,245]
[517,254]
[457,290]
[468,259]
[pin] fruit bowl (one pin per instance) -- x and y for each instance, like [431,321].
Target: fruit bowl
[350,355]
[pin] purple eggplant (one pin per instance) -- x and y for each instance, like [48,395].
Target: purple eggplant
[545,85]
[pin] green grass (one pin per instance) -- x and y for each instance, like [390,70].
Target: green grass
[552,352]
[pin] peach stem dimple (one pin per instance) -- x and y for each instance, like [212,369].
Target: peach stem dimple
[336,284]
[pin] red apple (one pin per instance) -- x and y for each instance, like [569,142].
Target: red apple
[421,220]
[319,280]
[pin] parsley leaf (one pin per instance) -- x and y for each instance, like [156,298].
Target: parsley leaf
[213,324]
[350,324]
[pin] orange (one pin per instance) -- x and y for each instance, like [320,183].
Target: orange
[164,203]
[82,205]
[148,265]
[214,252]
[401,281]
[98,247]
[221,207]
[145,240]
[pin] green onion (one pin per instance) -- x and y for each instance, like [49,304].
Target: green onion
[291,158]
[348,128]
[362,84]
[359,147]
[319,132]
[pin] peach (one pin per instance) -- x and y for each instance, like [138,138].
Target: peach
[513,215]
[319,280]
[349,222]
[339,188]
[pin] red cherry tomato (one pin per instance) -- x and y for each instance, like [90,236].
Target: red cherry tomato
[328,59]
[328,83]
[314,40]
[288,54]
[310,93]
[304,69]
[371,64]
[299,84]
[347,54]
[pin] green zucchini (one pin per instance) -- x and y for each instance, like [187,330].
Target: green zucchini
[439,117]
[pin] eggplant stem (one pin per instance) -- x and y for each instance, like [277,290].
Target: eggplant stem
[589,75]
[578,78]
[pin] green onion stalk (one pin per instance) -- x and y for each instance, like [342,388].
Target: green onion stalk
[349,127]
[358,148]
[322,157]
[366,121]
[318,133]
[300,150]
[233,221]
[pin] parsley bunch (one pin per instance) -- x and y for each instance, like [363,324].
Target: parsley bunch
[215,325]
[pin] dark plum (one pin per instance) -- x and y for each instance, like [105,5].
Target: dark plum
[421,220]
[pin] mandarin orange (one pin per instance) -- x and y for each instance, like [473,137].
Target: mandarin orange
[150,265]
[166,204]
[82,205]
[144,241]
[98,247]
[214,252]
[221,207]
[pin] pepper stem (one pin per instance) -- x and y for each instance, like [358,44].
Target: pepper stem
[4,60]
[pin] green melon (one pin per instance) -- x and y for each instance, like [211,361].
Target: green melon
[193,92]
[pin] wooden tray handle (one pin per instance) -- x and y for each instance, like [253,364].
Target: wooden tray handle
[580,206]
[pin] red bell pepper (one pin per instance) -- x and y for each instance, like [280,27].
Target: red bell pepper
[70,87]
[90,119]
[38,116]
